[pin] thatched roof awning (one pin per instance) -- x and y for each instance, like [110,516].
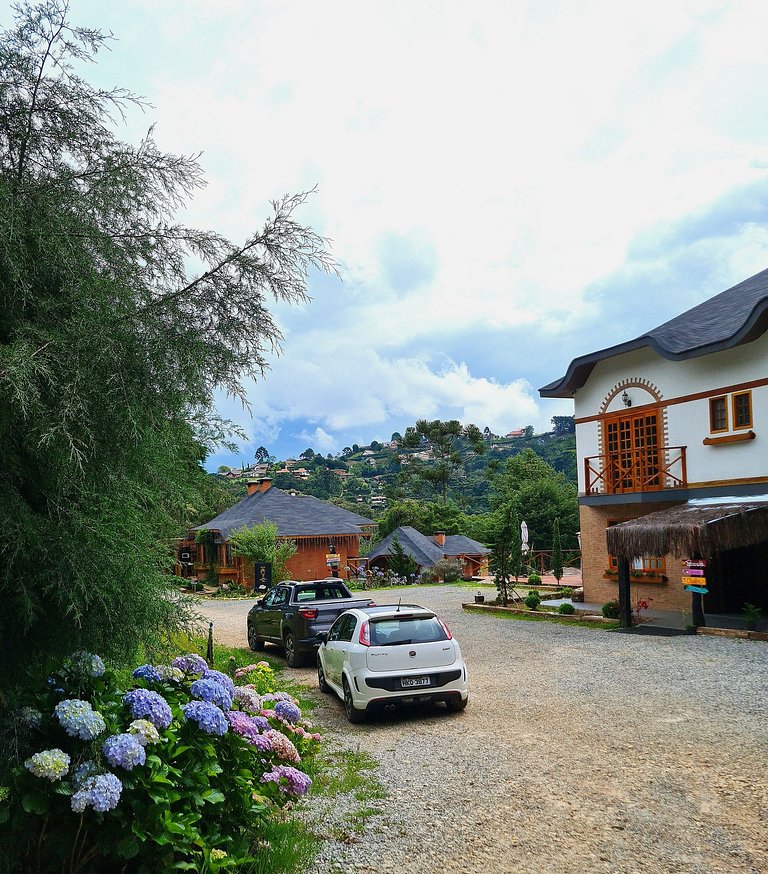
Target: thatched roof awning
[690,529]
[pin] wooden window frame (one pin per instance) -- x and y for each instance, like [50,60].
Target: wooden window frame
[613,562]
[712,429]
[748,423]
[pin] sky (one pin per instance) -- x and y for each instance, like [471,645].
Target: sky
[507,185]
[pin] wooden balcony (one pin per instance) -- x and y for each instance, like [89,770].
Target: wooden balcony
[636,470]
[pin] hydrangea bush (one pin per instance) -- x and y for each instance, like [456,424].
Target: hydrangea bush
[177,772]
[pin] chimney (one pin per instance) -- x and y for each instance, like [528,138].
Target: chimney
[259,485]
[439,538]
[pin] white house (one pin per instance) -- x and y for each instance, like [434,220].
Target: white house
[677,421]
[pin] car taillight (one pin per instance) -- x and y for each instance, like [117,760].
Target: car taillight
[309,612]
[445,628]
[365,634]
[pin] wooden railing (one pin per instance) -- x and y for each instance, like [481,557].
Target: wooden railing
[636,470]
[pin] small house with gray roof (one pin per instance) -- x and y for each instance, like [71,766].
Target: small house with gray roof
[427,551]
[318,528]
[671,427]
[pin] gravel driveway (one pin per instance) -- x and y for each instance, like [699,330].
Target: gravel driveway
[580,750]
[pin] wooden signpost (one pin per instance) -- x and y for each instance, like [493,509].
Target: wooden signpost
[695,582]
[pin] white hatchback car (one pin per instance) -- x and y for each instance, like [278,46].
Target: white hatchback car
[376,658]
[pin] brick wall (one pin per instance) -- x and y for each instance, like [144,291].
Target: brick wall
[595,560]
[309,562]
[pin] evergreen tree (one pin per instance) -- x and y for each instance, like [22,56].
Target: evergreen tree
[400,563]
[506,557]
[111,350]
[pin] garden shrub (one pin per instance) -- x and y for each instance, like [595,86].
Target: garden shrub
[532,600]
[533,579]
[611,610]
[566,609]
[178,772]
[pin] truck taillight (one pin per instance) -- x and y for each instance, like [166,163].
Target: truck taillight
[445,628]
[365,634]
[309,613]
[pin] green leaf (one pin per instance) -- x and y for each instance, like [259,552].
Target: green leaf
[35,802]
[213,796]
[128,848]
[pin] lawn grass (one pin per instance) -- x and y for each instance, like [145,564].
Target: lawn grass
[537,617]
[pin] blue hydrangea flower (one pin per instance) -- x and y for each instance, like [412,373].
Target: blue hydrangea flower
[31,717]
[221,679]
[207,716]
[86,663]
[145,704]
[287,711]
[124,750]
[212,692]
[148,673]
[191,664]
[144,731]
[50,764]
[88,768]
[79,719]
[101,792]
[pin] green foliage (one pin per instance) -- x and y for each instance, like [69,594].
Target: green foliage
[533,578]
[193,800]
[557,552]
[611,610]
[532,600]
[111,350]
[752,615]
[447,570]
[539,495]
[566,609]
[428,517]
[506,556]
[261,544]
[399,562]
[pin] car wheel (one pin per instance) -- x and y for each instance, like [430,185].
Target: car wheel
[456,703]
[292,657]
[321,682]
[353,714]
[254,641]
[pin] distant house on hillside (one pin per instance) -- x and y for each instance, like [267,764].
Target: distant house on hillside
[671,434]
[518,432]
[315,525]
[427,551]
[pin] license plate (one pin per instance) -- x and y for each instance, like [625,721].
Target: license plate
[409,682]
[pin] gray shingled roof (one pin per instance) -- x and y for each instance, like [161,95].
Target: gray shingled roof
[735,316]
[294,515]
[424,550]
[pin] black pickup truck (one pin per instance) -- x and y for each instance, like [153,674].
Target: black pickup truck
[292,614]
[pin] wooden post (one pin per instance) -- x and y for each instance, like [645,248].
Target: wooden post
[625,604]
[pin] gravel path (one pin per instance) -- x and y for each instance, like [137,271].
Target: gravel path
[580,750]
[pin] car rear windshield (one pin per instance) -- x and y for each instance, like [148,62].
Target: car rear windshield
[406,630]
[320,593]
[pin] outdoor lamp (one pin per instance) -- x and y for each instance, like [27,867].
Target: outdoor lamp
[626,400]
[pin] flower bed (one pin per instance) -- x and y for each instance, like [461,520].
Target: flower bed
[177,772]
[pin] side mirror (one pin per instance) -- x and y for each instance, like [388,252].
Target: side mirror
[260,602]
[322,636]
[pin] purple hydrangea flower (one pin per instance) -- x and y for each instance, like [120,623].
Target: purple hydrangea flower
[249,727]
[169,673]
[148,673]
[50,764]
[145,704]
[212,692]
[124,750]
[277,696]
[282,747]
[287,711]
[207,716]
[79,719]
[190,664]
[101,792]
[221,679]
[289,780]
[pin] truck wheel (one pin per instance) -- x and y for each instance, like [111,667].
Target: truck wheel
[321,682]
[292,657]
[254,641]
[353,714]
